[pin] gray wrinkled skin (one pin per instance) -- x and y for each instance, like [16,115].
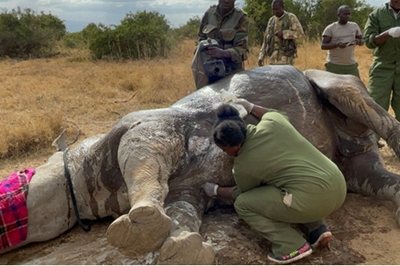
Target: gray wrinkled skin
[149,169]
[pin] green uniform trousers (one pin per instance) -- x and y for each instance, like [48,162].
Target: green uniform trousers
[384,83]
[263,209]
[343,69]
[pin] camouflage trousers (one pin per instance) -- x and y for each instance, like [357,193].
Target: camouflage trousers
[278,58]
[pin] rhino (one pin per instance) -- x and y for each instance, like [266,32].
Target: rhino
[147,172]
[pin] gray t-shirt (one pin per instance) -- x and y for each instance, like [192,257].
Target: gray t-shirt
[342,33]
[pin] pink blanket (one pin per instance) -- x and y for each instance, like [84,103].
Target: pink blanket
[13,210]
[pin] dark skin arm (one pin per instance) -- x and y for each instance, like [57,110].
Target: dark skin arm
[328,45]
[216,52]
[240,47]
[360,40]
[381,38]
[258,111]
[226,194]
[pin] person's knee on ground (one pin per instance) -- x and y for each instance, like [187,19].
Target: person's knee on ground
[282,236]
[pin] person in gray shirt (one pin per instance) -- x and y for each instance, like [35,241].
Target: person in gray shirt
[340,39]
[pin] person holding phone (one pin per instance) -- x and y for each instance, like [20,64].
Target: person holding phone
[340,39]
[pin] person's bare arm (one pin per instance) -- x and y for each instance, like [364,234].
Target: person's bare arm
[381,38]
[258,111]
[327,43]
[225,193]
[360,40]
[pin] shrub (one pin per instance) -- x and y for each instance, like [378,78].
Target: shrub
[190,29]
[75,40]
[144,35]
[26,34]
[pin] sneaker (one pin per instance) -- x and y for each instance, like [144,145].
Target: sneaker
[300,253]
[320,237]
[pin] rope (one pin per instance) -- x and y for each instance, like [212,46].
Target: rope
[85,227]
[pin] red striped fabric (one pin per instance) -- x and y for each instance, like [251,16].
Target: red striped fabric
[13,209]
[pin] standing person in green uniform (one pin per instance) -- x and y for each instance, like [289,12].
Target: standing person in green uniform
[340,39]
[382,35]
[281,178]
[280,36]
[229,26]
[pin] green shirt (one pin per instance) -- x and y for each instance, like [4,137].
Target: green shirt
[380,20]
[275,153]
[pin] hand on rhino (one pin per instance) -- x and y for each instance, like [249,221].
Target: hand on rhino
[246,104]
[210,189]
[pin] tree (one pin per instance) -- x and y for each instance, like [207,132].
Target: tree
[139,36]
[27,34]
[190,29]
[143,35]
[258,11]
[102,41]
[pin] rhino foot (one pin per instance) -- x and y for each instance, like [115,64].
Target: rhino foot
[187,248]
[398,216]
[141,231]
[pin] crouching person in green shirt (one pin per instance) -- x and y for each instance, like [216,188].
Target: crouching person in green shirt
[281,179]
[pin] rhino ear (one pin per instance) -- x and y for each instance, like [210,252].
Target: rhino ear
[60,142]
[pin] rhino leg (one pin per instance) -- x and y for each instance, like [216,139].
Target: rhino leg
[146,226]
[354,114]
[358,112]
[366,175]
[358,106]
[185,246]
[146,163]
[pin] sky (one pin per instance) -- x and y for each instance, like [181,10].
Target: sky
[77,14]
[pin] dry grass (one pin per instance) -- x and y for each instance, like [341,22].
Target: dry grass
[41,97]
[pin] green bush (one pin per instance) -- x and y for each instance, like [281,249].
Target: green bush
[143,35]
[103,43]
[25,34]
[190,29]
[75,40]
